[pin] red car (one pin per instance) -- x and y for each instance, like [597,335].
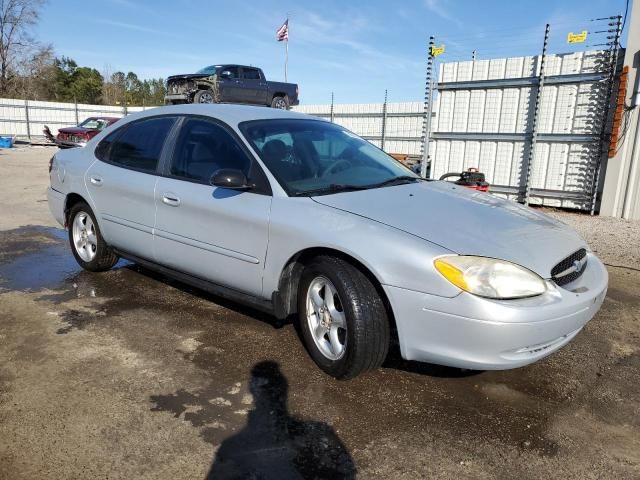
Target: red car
[78,136]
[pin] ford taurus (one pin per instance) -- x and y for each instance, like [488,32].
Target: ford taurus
[299,217]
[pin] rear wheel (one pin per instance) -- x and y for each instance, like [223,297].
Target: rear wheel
[281,103]
[342,319]
[89,248]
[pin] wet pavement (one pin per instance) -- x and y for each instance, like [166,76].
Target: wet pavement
[231,379]
[129,374]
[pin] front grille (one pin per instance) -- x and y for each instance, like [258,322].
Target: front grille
[570,268]
[180,86]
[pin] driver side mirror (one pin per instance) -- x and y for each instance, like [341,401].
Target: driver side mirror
[230,178]
[226,74]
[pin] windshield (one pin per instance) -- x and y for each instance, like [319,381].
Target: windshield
[95,123]
[210,70]
[315,157]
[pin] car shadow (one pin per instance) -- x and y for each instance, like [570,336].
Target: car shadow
[237,307]
[277,445]
[393,361]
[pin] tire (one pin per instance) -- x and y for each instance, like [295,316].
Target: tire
[203,96]
[281,103]
[365,340]
[95,256]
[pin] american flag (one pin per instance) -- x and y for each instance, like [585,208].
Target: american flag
[283,32]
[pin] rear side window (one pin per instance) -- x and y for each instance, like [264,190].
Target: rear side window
[251,73]
[203,147]
[140,145]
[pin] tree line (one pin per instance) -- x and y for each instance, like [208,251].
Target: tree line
[29,69]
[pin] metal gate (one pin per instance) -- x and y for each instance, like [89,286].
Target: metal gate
[537,126]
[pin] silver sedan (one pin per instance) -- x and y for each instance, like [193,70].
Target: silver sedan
[301,218]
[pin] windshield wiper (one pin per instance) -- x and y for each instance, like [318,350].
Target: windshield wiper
[395,181]
[332,188]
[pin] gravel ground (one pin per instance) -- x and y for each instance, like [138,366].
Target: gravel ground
[614,240]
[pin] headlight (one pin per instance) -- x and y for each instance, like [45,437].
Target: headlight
[488,277]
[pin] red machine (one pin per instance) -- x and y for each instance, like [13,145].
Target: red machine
[471,178]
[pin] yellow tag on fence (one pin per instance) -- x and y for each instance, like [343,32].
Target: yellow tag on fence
[577,37]
[435,51]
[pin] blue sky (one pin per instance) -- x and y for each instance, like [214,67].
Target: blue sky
[353,48]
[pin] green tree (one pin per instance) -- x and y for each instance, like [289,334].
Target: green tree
[86,85]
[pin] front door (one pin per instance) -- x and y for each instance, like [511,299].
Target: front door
[230,85]
[121,183]
[213,233]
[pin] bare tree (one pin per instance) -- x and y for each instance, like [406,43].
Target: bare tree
[16,19]
[37,74]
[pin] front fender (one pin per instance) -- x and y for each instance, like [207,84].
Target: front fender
[394,257]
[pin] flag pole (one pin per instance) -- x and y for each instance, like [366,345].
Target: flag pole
[286,52]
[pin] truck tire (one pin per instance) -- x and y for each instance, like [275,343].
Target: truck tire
[87,244]
[280,102]
[203,96]
[342,318]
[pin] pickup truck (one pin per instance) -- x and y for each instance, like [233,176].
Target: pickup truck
[230,84]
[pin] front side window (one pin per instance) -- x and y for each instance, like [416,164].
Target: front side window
[230,72]
[310,157]
[203,147]
[139,146]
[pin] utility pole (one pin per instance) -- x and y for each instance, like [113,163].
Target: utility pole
[524,196]
[428,94]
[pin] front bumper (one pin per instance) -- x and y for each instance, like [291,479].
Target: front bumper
[468,331]
[66,144]
[184,97]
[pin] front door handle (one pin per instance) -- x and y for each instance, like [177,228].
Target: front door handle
[170,199]
[97,181]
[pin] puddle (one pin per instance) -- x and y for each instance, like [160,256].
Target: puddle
[35,257]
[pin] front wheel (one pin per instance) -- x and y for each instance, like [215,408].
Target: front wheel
[89,248]
[203,96]
[342,319]
[281,103]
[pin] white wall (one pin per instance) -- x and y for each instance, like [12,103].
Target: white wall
[360,119]
[13,115]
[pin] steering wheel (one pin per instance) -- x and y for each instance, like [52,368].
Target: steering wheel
[333,166]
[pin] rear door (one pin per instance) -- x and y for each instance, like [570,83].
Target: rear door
[122,182]
[213,233]
[254,86]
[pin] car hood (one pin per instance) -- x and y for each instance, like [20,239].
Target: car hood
[186,76]
[465,221]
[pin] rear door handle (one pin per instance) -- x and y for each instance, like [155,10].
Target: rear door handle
[97,181]
[170,199]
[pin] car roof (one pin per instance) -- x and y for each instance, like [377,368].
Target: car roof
[228,113]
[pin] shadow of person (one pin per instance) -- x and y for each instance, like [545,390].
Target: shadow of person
[276,445]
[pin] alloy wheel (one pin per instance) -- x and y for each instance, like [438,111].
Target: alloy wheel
[85,240]
[326,318]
